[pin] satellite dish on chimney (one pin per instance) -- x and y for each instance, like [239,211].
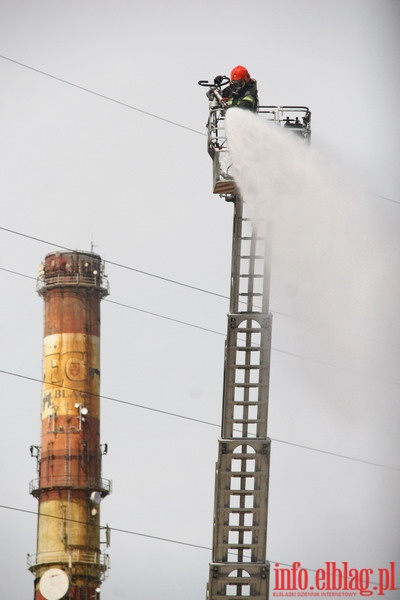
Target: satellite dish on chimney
[95,497]
[54,584]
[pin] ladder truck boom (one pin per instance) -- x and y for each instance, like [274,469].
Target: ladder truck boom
[239,566]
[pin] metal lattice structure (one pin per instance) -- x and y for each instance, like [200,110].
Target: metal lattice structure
[239,568]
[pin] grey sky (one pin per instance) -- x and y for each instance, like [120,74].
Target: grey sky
[77,169]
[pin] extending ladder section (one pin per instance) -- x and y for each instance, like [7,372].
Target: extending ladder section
[239,568]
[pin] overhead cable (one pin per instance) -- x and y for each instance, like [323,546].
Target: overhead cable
[384,197]
[153,314]
[193,419]
[117,264]
[136,533]
[88,524]
[130,106]
[213,331]
[129,268]
[103,96]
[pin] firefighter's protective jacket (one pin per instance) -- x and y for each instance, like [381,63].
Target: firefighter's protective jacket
[246,97]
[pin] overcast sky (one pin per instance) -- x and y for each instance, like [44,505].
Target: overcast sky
[79,169]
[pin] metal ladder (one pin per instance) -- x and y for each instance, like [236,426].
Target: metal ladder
[239,568]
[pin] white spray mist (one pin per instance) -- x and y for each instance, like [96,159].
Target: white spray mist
[331,263]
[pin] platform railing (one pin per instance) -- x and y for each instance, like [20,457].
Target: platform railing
[46,281]
[69,557]
[294,118]
[104,486]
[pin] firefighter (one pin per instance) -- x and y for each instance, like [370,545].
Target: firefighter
[242,90]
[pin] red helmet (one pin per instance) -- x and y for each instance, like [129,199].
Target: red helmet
[239,73]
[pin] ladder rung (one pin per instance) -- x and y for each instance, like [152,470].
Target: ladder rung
[244,403]
[250,348]
[253,275]
[245,440]
[244,421]
[241,492]
[240,456]
[243,510]
[242,527]
[247,256]
[241,546]
[251,294]
[247,385]
[244,367]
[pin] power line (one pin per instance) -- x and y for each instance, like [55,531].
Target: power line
[18,273]
[124,305]
[367,462]
[111,399]
[193,419]
[130,106]
[127,531]
[153,275]
[384,197]
[127,267]
[333,366]
[117,264]
[103,96]
[142,310]
[278,350]
[138,534]
[153,314]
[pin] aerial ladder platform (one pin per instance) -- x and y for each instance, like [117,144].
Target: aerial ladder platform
[296,120]
[239,568]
